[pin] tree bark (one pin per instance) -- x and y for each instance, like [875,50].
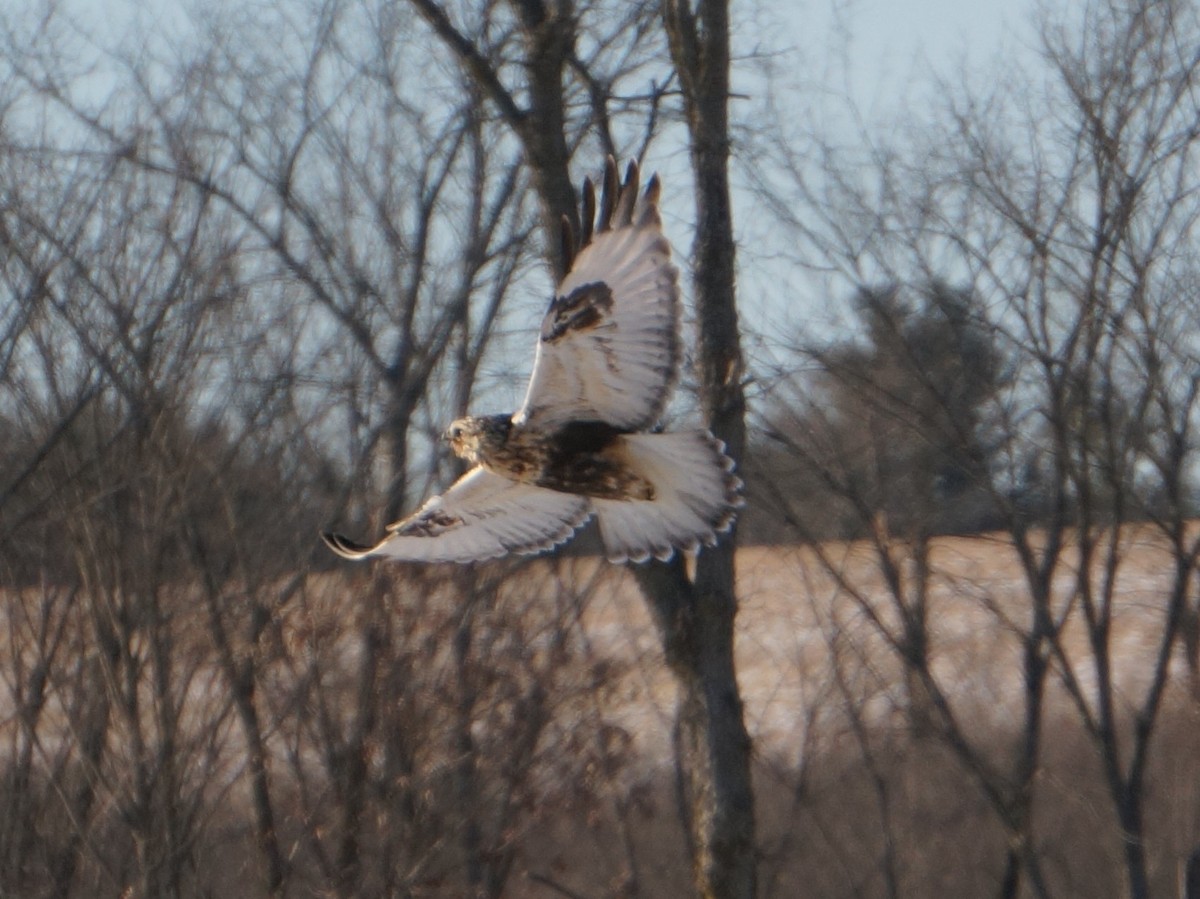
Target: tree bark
[698,619]
[548,33]
[1191,883]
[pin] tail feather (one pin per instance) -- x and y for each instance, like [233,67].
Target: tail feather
[696,497]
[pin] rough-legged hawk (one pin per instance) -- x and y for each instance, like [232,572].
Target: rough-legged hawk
[581,444]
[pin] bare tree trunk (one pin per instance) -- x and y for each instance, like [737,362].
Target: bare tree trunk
[696,628]
[548,31]
[1191,881]
[464,745]
[94,714]
[549,37]
[242,678]
[700,620]
[352,765]
[1133,840]
[1189,638]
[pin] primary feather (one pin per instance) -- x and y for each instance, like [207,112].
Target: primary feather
[607,360]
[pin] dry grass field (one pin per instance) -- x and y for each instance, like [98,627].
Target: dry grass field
[530,730]
[791,608]
[813,667]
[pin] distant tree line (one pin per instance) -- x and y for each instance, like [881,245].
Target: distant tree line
[910,421]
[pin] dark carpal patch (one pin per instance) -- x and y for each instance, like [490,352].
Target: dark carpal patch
[432,523]
[583,308]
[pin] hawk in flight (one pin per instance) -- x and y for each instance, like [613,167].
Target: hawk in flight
[582,444]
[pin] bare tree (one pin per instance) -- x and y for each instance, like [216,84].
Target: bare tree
[569,96]
[695,617]
[1068,214]
[120,324]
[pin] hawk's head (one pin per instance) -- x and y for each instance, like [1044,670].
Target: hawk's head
[478,437]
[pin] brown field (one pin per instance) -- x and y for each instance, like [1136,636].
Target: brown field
[790,605]
[854,793]
[821,822]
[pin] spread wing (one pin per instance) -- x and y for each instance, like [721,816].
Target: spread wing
[610,346]
[481,516]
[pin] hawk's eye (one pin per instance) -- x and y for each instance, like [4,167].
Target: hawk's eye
[454,432]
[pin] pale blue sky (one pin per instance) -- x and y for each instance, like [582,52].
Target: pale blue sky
[878,54]
[887,37]
[892,45]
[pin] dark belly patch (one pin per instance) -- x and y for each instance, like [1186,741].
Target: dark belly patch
[586,459]
[598,476]
[582,457]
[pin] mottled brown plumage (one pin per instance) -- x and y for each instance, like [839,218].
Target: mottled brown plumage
[582,444]
[583,457]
